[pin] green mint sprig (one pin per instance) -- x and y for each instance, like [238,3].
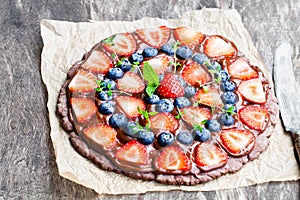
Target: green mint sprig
[109,40]
[198,126]
[151,77]
[146,115]
[175,63]
[101,87]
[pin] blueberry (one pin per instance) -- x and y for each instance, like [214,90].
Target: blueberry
[229,98]
[165,139]
[228,86]
[202,136]
[107,108]
[228,106]
[104,96]
[145,137]
[185,138]
[165,105]
[182,102]
[110,82]
[161,77]
[136,57]
[200,58]
[189,91]
[224,75]
[115,73]
[117,120]
[154,99]
[215,65]
[182,82]
[184,52]
[125,65]
[149,52]
[226,119]
[213,125]
[131,128]
[167,49]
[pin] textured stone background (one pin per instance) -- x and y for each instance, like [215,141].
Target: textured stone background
[28,169]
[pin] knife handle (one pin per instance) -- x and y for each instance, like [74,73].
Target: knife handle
[296,140]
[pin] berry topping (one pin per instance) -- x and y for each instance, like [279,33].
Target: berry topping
[209,156]
[101,134]
[217,47]
[131,128]
[125,65]
[83,81]
[170,87]
[188,36]
[241,69]
[229,98]
[98,62]
[189,91]
[154,37]
[133,152]
[213,125]
[200,58]
[182,82]
[83,108]
[228,107]
[224,75]
[226,119]
[164,121]
[106,83]
[149,52]
[173,158]
[209,98]
[185,137]
[203,135]
[165,139]
[130,105]
[182,102]
[145,137]
[184,53]
[131,83]
[115,73]
[228,86]
[254,116]
[107,108]
[136,57]
[252,90]
[122,44]
[117,120]
[195,74]
[160,64]
[167,49]
[235,140]
[195,115]
[164,105]
[154,99]
[105,96]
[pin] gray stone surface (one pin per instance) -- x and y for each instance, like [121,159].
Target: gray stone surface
[28,169]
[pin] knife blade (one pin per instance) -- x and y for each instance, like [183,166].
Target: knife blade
[288,93]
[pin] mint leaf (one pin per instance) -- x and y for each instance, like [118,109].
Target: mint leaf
[109,40]
[150,90]
[150,75]
[205,89]
[152,113]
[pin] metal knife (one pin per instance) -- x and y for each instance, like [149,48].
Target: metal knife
[288,94]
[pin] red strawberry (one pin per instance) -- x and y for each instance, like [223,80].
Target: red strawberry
[131,83]
[209,156]
[98,62]
[235,140]
[130,105]
[188,36]
[216,46]
[170,87]
[122,44]
[195,115]
[173,158]
[83,81]
[252,90]
[164,121]
[101,134]
[133,152]
[241,69]
[160,64]
[154,37]
[209,98]
[83,108]
[254,116]
[195,74]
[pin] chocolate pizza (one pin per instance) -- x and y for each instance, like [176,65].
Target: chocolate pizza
[172,105]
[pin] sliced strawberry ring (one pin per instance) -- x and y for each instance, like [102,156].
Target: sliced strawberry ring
[195,115]
[254,117]
[98,62]
[195,74]
[216,46]
[123,44]
[129,105]
[83,82]
[154,37]
[209,98]
[241,69]
[252,90]
[188,36]
[164,121]
[83,108]
[131,83]
[160,64]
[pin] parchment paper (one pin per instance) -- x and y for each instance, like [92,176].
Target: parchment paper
[66,42]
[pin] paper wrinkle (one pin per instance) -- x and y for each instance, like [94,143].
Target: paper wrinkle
[66,42]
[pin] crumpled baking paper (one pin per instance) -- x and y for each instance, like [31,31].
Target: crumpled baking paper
[66,42]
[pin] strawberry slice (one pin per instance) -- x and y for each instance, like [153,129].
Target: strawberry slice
[173,158]
[188,36]
[241,69]
[122,44]
[160,64]
[133,152]
[131,83]
[83,108]
[254,116]
[195,74]
[195,115]
[209,98]
[235,140]
[154,37]
[101,134]
[252,90]
[130,105]
[164,121]
[209,156]
[216,46]
[170,87]
[83,82]
[98,62]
